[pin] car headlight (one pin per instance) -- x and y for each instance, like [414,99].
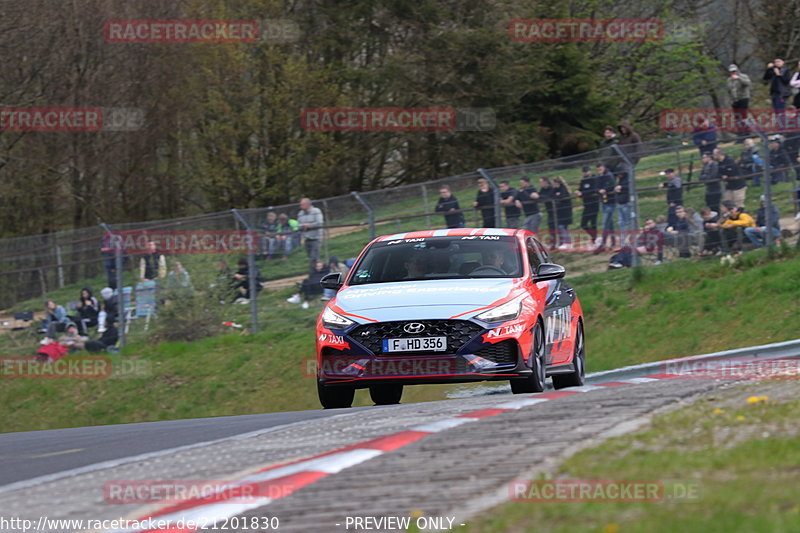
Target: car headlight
[507,311]
[331,319]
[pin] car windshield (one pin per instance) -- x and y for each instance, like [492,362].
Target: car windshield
[469,256]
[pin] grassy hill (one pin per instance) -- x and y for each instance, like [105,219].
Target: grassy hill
[633,316]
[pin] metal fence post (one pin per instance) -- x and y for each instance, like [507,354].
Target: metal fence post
[121,316]
[634,201]
[370,213]
[251,271]
[425,205]
[496,192]
[59,267]
[768,238]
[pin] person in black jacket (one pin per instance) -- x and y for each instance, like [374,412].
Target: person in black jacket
[730,173]
[88,311]
[241,282]
[587,191]
[778,161]
[605,188]
[674,187]
[778,77]
[508,199]
[709,175]
[622,196]
[109,338]
[485,202]
[448,204]
[527,200]
[547,193]
[563,212]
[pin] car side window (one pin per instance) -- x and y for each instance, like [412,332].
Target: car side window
[533,254]
[543,255]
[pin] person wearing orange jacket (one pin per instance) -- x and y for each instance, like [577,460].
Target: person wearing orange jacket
[735,221]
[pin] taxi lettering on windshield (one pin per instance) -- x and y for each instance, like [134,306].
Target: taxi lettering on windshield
[398,241]
[481,237]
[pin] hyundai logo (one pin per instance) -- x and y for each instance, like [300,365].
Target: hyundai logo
[414,328]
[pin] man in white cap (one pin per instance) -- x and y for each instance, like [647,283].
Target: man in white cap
[739,90]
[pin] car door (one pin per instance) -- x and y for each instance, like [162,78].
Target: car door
[558,308]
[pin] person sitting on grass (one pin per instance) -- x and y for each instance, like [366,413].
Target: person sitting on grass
[107,340]
[241,282]
[88,311]
[649,240]
[72,339]
[758,234]
[56,320]
[734,223]
[310,286]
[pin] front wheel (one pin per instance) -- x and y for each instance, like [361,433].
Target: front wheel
[578,377]
[387,394]
[535,382]
[335,397]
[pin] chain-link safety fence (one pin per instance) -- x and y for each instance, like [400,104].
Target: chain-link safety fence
[188,277]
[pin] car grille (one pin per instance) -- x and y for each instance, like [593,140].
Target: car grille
[504,352]
[458,333]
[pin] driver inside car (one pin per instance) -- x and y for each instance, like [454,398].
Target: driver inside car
[416,266]
[494,258]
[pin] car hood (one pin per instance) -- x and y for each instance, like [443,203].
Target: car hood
[422,299]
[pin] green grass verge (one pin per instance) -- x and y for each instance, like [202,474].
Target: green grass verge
[738,458]
[671,310]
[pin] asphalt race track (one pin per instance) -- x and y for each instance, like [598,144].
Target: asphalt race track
[321,470]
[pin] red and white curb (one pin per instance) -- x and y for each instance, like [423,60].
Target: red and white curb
[280,481]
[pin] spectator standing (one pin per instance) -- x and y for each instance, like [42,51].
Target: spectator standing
[674,187]
[288,236]
[730,173]
[527,200]
[508,199]
[778,77]
[309,221]
[109,260]
[779,163]
[605,188]
[739,90]
[629,141]
[587,191]
[607,154]
[704,135]
[448,204]
[709,175]
[622,196]
[563,212]
[547,193]
[751,162]
[794,83]
[270,229]
[152,265]
[758,234]
[485,202]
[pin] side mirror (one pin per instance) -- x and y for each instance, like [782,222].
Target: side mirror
[548,271]
[332,281]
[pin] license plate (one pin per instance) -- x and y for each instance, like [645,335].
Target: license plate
[417,344]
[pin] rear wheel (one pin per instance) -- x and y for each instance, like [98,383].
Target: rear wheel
[578,377]
[386,394]
[335,397]
[534,382]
